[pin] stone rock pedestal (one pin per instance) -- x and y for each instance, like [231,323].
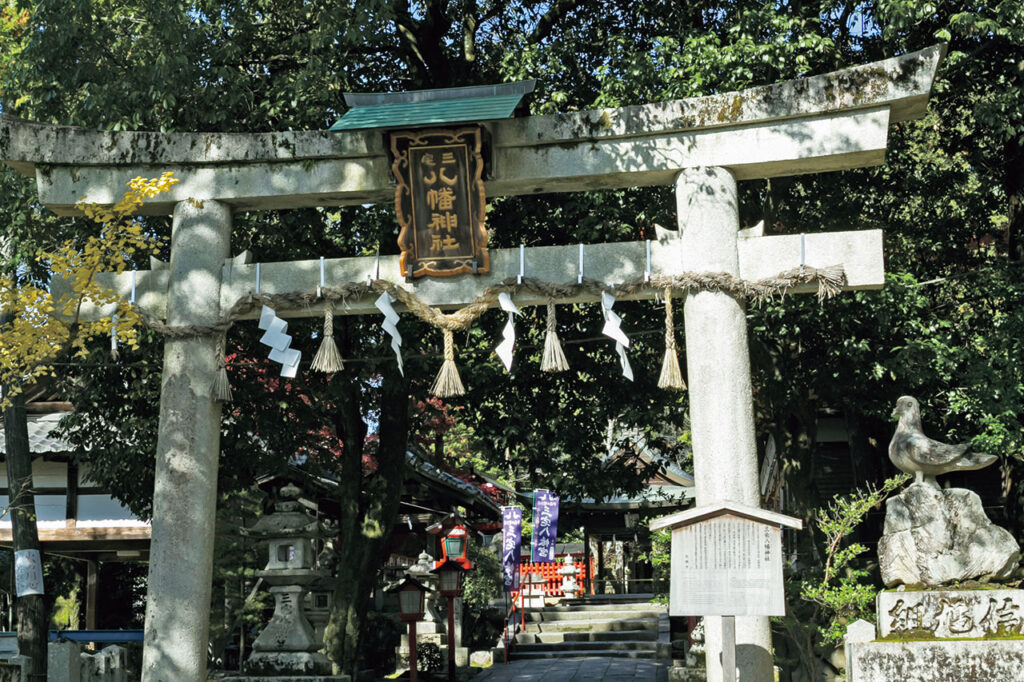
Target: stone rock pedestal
[955,635]
[936,537]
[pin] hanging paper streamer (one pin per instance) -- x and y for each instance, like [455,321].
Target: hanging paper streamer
[671,376]
[508,341]
[390,326]
[279,342]
[511,546]
[553,359]
[545,526]
[613,329]
[28,572]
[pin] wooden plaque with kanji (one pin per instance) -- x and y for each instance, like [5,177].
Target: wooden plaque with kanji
[439,201]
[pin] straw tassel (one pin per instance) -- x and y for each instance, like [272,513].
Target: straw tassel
[448,382]
[554,358]
[671,377]
[221,388]
[327,358]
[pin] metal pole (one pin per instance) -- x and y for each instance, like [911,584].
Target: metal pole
[507,611]
[451,638]
[588,584]
[412,651]
[522,605]
[728,648]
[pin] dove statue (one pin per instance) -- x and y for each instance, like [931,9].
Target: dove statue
[915,453]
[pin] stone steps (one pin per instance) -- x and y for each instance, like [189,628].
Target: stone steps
[589,648]
[641,598]
[524,655]
[627,626]
[604,625]
[602,605]
[550,614]
[611,635]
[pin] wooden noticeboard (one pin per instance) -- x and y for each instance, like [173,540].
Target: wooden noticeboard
[726,561]
[727,566]
[440,201]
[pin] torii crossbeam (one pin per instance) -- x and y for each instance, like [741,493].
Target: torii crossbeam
[701,145]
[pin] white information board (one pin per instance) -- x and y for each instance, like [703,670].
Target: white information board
[727,566]
[28,572]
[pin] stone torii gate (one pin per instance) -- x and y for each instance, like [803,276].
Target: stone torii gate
[702,146]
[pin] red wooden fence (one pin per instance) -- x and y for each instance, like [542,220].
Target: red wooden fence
[553,581]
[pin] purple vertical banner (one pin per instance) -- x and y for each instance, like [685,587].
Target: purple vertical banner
[511,543]
[545,526]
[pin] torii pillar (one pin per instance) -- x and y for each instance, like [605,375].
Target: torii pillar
[187,451]
[721,398]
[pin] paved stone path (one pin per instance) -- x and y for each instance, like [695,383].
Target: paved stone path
[576,670]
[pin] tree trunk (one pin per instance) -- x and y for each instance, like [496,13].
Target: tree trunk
[369,504]
[30,612]
[1013,184]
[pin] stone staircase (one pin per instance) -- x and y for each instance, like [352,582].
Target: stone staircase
[619,626]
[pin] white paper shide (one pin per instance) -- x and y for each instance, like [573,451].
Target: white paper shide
[28,572]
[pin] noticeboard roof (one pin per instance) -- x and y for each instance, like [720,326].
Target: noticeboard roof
[710,511]
[432,107]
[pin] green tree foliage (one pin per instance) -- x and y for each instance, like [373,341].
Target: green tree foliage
[841,589]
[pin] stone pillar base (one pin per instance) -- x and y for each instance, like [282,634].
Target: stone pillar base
[288,664]
[682,674]
[939,635]
[927,661]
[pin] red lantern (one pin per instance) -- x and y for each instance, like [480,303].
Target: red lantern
[411,600]
[411,593]
[450,575]
[455,544]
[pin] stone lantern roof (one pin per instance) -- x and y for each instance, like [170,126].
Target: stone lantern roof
[287,520]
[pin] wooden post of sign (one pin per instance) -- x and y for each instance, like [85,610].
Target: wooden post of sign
[728,648]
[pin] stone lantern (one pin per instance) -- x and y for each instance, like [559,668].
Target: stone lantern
[568,572]
[287,646]
[423,570]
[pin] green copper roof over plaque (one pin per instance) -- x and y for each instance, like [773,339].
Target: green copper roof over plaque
[432,107]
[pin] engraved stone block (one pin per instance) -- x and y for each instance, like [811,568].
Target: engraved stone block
[951,614]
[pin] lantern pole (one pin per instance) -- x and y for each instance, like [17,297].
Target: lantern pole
[451,637]
[413,672]
[410,612]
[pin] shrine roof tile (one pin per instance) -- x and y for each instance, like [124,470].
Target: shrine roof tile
[429,113]
[39,439]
